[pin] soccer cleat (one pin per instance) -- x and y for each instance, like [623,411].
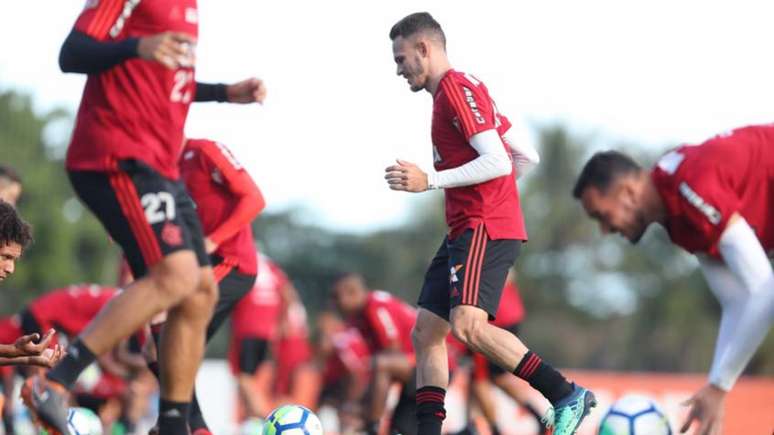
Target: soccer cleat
[47,402]
[570,411]
[547,422]
[202,431]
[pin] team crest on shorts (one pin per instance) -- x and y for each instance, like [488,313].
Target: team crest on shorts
[172,234]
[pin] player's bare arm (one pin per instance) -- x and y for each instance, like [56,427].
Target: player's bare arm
[27,345]
[707,408]
[47,359]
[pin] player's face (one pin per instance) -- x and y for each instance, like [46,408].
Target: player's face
[9,253]
[408,57]
[10,193]
[615,210]
[349,294]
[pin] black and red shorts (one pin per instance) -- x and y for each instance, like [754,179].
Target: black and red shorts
[147,214]
[468,270]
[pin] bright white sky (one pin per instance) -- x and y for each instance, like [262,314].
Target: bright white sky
[651,72]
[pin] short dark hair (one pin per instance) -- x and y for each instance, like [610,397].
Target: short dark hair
[415,23]
[10,173]
[13,229]
[602,170]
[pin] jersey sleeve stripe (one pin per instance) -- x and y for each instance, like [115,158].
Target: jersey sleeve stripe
[452,89]
[104,18]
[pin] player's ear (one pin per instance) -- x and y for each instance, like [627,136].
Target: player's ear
[422,48]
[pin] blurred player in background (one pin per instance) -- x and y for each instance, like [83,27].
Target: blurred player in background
[385,322]
[715,200]
[477,166]
[250,349]
[297,379]
[123,164]
[10,185]
[108,387]
[345,359]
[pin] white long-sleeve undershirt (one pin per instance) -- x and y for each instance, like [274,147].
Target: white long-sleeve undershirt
[493,161]
[744,285]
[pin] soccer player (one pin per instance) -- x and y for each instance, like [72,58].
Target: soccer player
[10,185]
[715,200]
[227,201]
[385,322]
[123,164]
[15,236]
[462,286]
[251,341]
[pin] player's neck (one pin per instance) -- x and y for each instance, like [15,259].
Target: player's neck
[436,74]
[656,212]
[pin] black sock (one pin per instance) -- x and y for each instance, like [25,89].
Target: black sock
[196,418]
[70,367]
[543,378]
[173,418]
[495,430]
[430,410]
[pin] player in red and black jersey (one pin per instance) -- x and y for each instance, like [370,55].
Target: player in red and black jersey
[123,164]
[715,200]
[250,348]
[486,229]
[385,323]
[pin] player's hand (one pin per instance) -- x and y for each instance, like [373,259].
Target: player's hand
[209,245]
[171,49]
[406,176]
[247,91]
[26,345]
[706,407]
[47,359]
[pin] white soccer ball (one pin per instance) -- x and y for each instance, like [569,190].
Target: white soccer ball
[635,415]
[251,426]
[292,420]
[83,421]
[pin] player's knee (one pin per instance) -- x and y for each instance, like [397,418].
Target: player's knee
[428,330]
[467,326]
[208,287]
[176,277]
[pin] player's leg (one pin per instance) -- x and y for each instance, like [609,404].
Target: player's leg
[183,336]
[516,388]
[404,416]
[429,338]
[232,286]
[481,267]
[481,390]
[386,368]
[160,254]
[254,375]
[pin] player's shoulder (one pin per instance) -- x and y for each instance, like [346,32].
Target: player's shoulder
[380,297]
[462,78]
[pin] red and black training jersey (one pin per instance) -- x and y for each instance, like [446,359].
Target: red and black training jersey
[218,184]
[386,323]
[70,309]
[702,186]
[462,108]
[136,109]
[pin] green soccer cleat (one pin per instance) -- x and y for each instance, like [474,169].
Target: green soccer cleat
[570,411]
